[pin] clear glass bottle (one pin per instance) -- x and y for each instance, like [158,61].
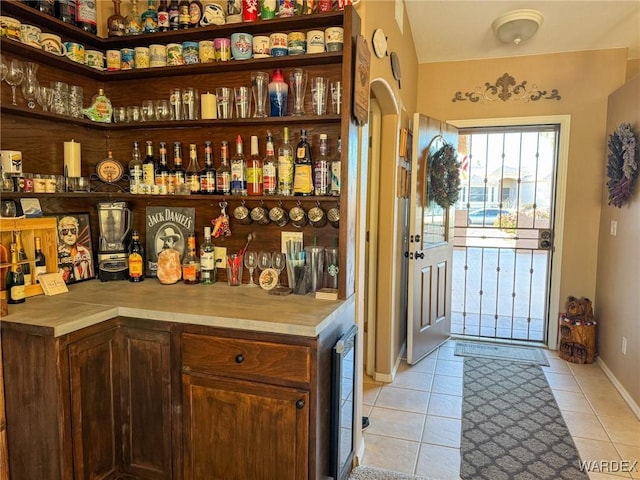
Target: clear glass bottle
[150,18]
[254,169]
[238,170]
[191,263]
[40,258]
[303,167]
[193,169]
[336,167]
[269,168]
[133,22]
[149,166]
[178,175]
[135,170]
[322,169]
[136,258]
[15,279]
[207,259]
[162,173]
[208,173]
[87,16]
[223,174]
[116,23]
[285,165]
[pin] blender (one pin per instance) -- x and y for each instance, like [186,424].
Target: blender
[114,219]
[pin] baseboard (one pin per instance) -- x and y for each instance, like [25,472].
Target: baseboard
[388,377]
[359,456]
[623,392]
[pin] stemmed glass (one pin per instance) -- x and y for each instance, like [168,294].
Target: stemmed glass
[14,77]
[45,97]
[278,261]
[3,68]
[251,262]
[264,260]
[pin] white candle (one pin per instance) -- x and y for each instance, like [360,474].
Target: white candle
[72,159]
[208,106]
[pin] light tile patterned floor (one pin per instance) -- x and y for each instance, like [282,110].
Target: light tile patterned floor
[415,421]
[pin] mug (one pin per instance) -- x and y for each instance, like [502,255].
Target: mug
[75,52]
[317,216]
[298,216]
[158,55]
[241,46]
[315,41]
[278,215]
[30,35]
[142,57]
[260,215]
[268,9]
[10,28]
[174,54]
[52,43]
[222,49]
[114,60]
[190,52]
[333,215]
[94,59]
[206,51]
[241,214]
[334,37]
[128,59]
[296,43]
[261,46]
[11,161]
[278,44]
[214,13]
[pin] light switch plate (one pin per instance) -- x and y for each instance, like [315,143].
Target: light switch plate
[613,228]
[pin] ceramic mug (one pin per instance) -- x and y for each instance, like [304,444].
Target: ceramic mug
[214,13]
[75,52]
[334,37]
[174,54]
[141,57]
[52,43]
[222,49]
[94,59]
[296,43]
[128,56]
[190,53]
[261,46]
[158,55]
[114,60]
[30,35]
[206,51]
[278,44]
[10,28]
[241,46]
[315,41]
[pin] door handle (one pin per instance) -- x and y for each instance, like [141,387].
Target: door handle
[419,255]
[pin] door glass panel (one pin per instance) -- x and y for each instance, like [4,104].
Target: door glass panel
[433,227]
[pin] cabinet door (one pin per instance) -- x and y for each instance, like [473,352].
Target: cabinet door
[95,411]
[146,403]
[235,430]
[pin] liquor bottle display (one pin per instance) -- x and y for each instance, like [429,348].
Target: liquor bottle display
[254,169]
[66,11]
[87,16]
[191,263]
[22,257]
[41,259]
[135,170]
[285,165]
[336,167]
[303,168]
[136,258]
[238,170]
[149,167]
[15,279]
[193,170]
[207,259]
[150,18]
[223,174]
[269,168]
[322,169]
[133,22]
[208,174]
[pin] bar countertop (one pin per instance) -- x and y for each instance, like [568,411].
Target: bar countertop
[91,302]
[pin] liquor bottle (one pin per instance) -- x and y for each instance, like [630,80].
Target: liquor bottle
[133,22]
[303,167]
[208,174]
[174,14]
[116,23]
[135,170]
[87,16]
[178,175]
[163,16]
[335,170]
[223,174]
[45,6]
[207,259]
[150,18]
[193,170]
[22,257]
[41,259]
[183,14]
[66,11]
[285,165]
[238,170]
[15,279]
[195,13]
[149,167]
[322,169]
[254,169]
[191,263]
[269,175]
[136,258]
[162,173]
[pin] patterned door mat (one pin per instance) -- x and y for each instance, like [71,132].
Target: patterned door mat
[501,352]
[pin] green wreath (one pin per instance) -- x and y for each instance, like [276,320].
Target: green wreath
[622,166]
[444,176]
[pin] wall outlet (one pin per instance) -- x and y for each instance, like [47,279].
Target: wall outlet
[221,257]
[613,228]
[624,345]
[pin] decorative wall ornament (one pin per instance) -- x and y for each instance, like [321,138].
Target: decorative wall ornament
[506,88]
[622,165]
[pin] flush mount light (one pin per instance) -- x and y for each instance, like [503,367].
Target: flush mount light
[517,26]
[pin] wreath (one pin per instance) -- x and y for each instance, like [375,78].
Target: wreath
[444,176]
[622,166]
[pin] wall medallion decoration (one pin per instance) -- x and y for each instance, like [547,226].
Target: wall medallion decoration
[622,164]
[506,88]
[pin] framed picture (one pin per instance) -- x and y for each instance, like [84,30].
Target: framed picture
[75,251]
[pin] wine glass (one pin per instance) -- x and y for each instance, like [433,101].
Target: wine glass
[3,68]
[278,261]
[14,77]
[251,262]
[44,97]
[264,260]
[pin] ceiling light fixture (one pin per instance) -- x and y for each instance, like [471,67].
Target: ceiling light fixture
[517,26]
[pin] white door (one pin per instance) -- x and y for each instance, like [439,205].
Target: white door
[430,250]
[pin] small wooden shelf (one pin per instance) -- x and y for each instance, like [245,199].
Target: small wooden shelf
[195,197]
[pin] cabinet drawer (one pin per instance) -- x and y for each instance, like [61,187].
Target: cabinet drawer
[250,359]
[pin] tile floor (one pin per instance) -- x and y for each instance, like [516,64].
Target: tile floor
[415,421]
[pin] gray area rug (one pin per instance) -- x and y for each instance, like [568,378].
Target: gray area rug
[370,473]
[501,352]
[512,428]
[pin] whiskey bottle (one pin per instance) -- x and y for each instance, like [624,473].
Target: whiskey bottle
[336,166]
[208,174]
[41,259]
[22,257]
[223,174]
[191,263]
[207,259]
[149,166]
[135,170]
[133,22]
[66,11]
[15,279]
[285,165]
[178,174]
[150,18]
[163,173]
[193,170]
[303,167]
[269,169]
[87,16]
[163,16]
[238,170]
[136,258]
[322,169]
[254,169]
[116,23]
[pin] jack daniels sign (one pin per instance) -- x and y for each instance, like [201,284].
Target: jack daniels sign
[167,227]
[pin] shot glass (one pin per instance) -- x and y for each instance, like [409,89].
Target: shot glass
[319,87]
[225,102]
[242,97]
[120,114]
[133,113]
[234,270]
[162,110]
[336,97]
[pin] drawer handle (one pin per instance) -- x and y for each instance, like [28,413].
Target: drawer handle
[239,358]
[300,404]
